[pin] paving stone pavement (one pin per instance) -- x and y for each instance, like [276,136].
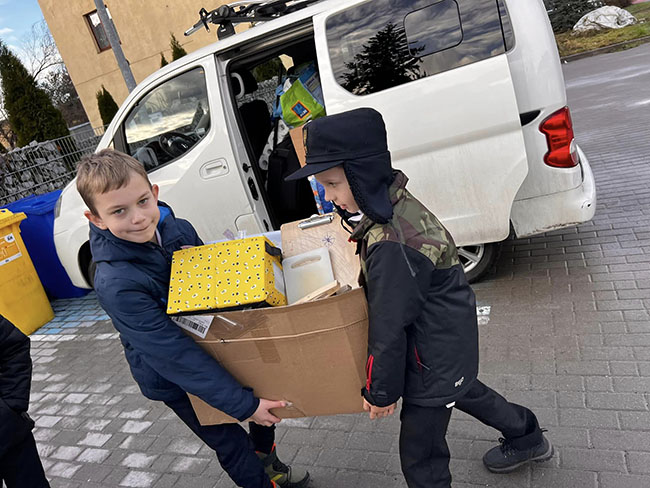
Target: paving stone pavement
[565,330]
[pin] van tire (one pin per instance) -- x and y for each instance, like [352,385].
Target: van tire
[479,259]
[86,264]
[92,267]
[89,272]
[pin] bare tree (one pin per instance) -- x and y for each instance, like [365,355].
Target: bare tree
[58,85]
[41,57]
[40,53]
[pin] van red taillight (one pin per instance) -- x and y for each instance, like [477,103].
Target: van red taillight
[562,150]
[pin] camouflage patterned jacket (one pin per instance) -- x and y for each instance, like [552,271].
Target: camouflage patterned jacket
[423,336]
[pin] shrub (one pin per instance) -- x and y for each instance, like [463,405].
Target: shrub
[107,106]
[619,3]
[177,50]
[565,13]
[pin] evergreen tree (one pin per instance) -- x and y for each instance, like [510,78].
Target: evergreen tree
[565,13]
[30,111]
[177,50]
[163,61]
[107,106]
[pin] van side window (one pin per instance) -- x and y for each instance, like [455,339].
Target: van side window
[169,120]
[385,43]
[433,29]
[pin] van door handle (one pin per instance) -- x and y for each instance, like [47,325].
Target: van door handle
[527,117]
[213,169]
[253,189]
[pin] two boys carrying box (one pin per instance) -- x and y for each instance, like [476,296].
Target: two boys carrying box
[423,333]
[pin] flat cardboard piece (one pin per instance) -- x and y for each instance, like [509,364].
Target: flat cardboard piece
[345,263]
[312,355]
[298,140]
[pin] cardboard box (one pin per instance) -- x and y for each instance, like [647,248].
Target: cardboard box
[312,355]
[299,143]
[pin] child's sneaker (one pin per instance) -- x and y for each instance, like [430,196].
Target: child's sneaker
[506,458]
[282,475]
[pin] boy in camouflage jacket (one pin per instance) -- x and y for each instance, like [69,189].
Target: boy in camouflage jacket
[423,335]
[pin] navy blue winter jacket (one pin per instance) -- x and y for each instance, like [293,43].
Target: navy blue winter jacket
[132,282]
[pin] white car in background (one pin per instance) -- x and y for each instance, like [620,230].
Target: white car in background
[472,94]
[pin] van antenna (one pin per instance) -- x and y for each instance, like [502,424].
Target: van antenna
[252,11]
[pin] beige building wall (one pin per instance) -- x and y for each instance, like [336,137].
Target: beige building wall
[144,29]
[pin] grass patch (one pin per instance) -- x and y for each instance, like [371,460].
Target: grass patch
[640,10]
[569,43]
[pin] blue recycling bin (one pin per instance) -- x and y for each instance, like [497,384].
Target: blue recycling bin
[37,232]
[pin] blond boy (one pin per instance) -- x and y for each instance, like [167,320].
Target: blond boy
[132,239]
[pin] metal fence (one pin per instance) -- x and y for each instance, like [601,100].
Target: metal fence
[42,167]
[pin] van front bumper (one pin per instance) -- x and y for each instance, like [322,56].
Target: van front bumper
[536,215]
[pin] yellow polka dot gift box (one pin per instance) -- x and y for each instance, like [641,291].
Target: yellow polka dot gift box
[230,275]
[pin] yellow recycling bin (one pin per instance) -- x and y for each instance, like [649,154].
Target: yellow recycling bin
[22,298]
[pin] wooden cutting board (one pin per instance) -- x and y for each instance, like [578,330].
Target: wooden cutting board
[345,263]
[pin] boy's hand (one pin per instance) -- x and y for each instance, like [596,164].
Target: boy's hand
[378,412]
[262,416]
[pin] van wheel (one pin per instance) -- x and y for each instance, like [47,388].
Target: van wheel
[90,273]
[478,260]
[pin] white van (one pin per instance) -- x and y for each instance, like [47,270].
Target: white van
[472,94]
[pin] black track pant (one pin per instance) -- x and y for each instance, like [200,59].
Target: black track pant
[423,448]
[20,467]
[234,447]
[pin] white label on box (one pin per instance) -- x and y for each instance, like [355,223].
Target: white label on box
[196,324]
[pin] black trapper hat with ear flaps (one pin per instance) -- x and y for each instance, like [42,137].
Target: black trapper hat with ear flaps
[357,140]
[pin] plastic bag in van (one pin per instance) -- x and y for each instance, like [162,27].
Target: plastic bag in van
[299,106]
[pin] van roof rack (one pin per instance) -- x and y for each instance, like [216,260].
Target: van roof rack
[250,11]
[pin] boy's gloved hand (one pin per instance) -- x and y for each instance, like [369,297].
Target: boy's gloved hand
[378,412]
[263,416]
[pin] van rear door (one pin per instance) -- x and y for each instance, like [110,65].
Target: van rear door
[438,73]
[539,85]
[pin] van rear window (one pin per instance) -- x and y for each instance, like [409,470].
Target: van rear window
[433,29]
[385,43]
